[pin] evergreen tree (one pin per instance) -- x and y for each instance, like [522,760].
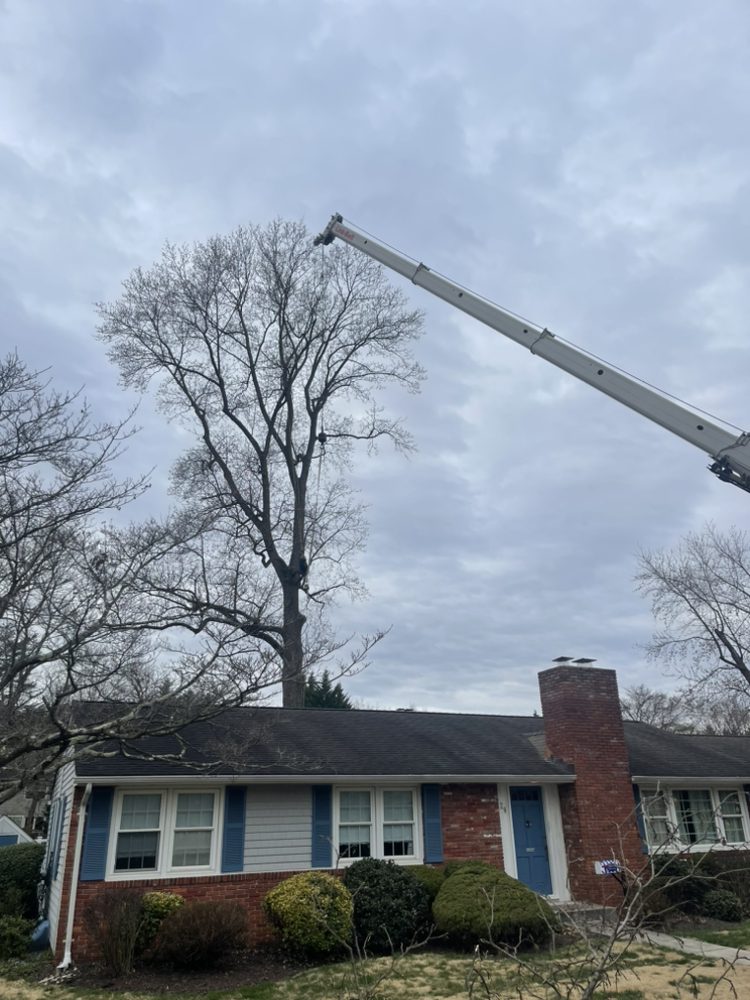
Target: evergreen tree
[321,693]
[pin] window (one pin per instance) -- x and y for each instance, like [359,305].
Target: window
[161,832]
[377,822]
[682,817]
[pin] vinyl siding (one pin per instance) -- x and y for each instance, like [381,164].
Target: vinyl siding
[278,828]
[63,789]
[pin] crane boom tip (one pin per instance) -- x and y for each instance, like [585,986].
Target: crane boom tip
[328,235]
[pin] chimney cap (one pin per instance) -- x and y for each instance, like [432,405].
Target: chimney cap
[584,659]
[562,659]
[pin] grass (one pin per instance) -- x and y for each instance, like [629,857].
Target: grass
[647,973]
[733,937]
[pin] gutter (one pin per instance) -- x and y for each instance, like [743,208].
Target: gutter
[67,959]
[199,778]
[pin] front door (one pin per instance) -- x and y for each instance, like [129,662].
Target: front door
[532,861]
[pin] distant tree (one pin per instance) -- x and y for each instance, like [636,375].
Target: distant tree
[273,354]
[79,616]
[664,710]
[320,692]
[700,595]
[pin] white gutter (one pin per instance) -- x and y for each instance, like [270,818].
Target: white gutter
[202,777]
[692,782]
[67,959]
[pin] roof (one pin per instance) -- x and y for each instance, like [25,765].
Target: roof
[325,742]
[658,754]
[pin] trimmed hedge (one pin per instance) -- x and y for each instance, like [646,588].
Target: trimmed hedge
[312,913]
[431,878]
[391,906]
[480,903]
[15,937]
[20,873]
[155,908]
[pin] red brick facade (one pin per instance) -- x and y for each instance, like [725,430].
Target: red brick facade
[583,726]
[471,823]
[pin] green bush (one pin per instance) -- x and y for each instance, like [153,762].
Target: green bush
[201,933]
[20,866]
[155,908]
[722,904]
[391,906]
[112,921]
[312,912]
[15,937]
[430,877]
[488,905]
[451,867]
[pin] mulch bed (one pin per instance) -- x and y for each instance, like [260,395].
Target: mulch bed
[246,969]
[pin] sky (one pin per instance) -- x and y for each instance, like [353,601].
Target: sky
[585,164]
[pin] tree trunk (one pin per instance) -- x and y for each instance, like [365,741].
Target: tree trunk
[293,674]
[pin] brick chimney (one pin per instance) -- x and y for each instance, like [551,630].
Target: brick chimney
[583,727]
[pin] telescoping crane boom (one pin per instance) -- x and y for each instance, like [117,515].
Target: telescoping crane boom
[729,452]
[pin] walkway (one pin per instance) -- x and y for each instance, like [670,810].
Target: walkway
[692,946]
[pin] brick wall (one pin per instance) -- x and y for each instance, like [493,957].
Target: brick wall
[583,726]
[471,823]
[247,889]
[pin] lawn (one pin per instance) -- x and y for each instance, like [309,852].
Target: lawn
[648,974]
[736,936]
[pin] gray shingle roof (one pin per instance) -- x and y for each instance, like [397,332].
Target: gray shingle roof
[658,754]
[317,742]
[275,741]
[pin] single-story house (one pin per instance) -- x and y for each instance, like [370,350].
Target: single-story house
[259,794]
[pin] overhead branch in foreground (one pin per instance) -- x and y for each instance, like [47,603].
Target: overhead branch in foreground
[700,596]
[79,616]
[274,355]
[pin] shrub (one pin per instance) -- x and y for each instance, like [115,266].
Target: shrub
[155,908]
[473,906]
[431,878]
[391,906]
[201,933]
[20,866]
[451,867]
[722,904]
[15,936]
[113,920]
[312,912]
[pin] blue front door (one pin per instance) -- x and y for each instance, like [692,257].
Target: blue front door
[532,861]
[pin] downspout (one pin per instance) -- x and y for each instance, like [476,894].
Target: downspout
[67,959]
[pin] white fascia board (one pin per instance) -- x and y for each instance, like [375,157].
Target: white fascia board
[335,779]
[668,779]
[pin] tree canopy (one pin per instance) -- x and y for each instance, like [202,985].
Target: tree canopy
[274,355]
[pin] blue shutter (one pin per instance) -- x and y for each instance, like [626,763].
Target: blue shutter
[233,840]
[57,845]
[96,836]
[322,826]
[432,824]
[639,819]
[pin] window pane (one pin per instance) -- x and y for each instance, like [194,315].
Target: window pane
[695,816]
[195,809]
[136,851]
[354,807]
[656,815]
[140,812]
[191,848]
[354,841]
[398,806]
[398,839]
[731,813]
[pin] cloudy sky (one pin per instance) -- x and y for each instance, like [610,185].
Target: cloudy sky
[583,162]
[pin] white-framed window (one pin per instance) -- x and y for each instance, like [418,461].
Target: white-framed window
[164,832]
[377,822]
[678,818]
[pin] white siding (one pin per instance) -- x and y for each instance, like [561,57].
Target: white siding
[278,828]
[63,789]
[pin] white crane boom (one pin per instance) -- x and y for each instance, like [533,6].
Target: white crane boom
[730,453]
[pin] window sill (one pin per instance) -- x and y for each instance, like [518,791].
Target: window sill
[140,875]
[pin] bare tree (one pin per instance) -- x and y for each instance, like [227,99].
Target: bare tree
[273,353]
[707,710]
[79,615]
[700,594]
